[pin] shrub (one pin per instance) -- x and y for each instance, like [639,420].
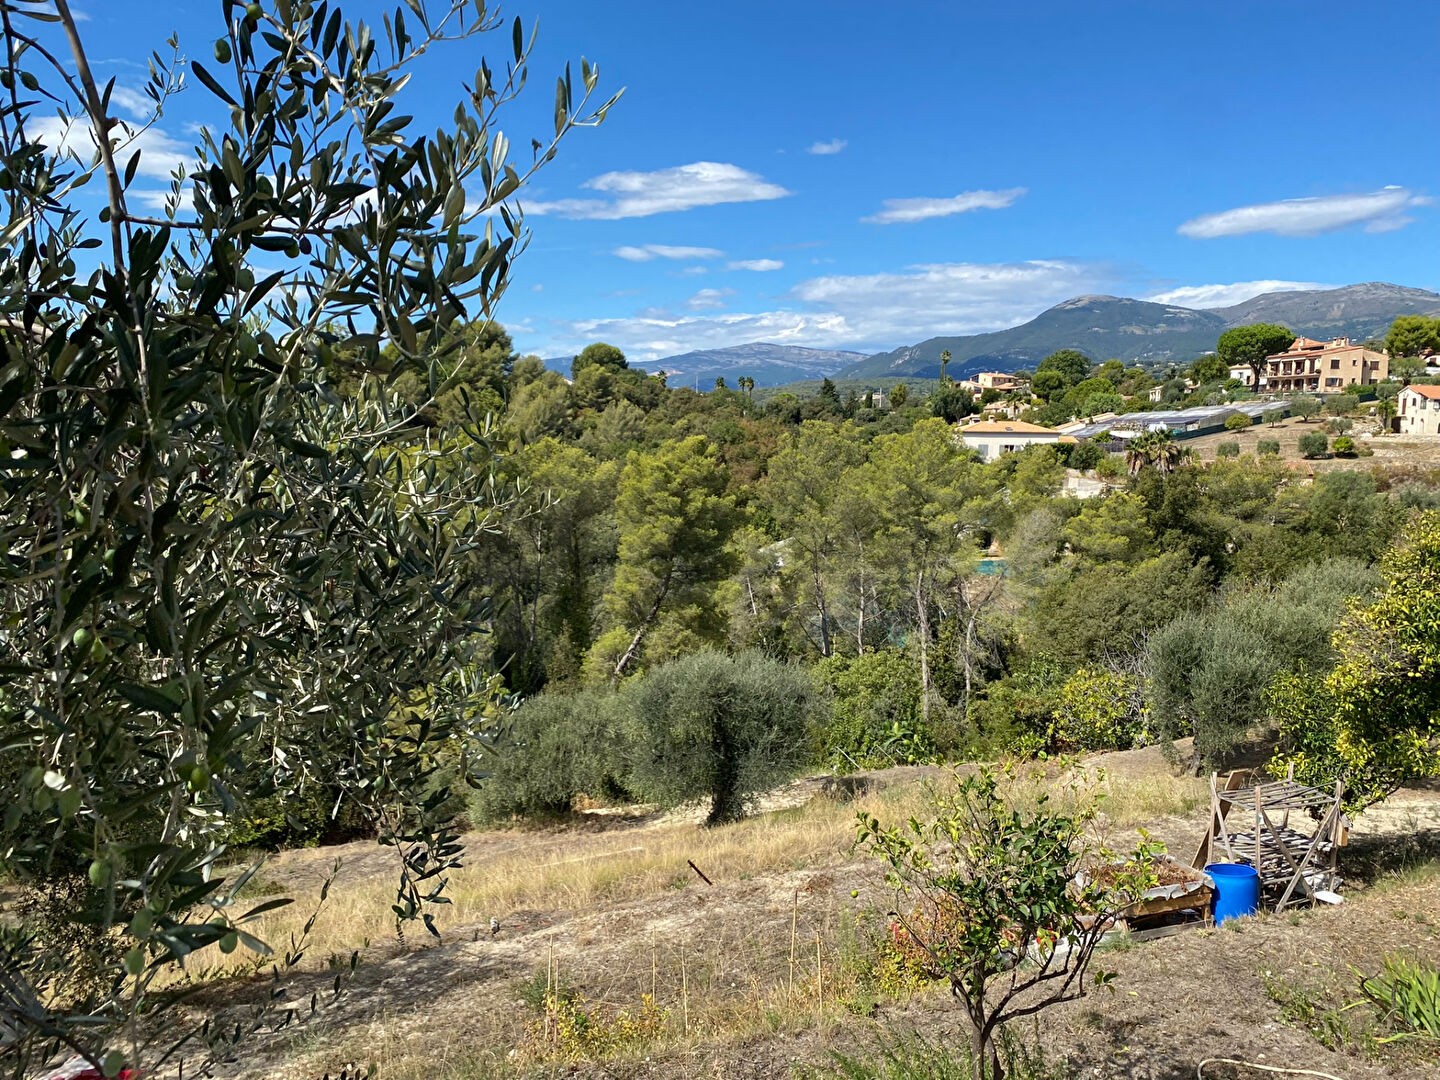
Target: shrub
[1304,406]
[1339,425]
[1238,422]
[1345,446]
[1313,444]
[558,746]
[1272,416]
[1085,455]
[1228,449]
[1019,709]
[717,726]
[874,702]
[1098,710]
[1268,447]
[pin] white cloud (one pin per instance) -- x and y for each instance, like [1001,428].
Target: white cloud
[685,187]
[160,155]
[132,101]
[706,299]
[1379,211]
[755,264]
[1213,296]
[903,211]
[876,311]
[646,252]
[831,146]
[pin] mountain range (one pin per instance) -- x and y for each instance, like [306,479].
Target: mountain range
[1136,331]
[1141,331]
[767,364]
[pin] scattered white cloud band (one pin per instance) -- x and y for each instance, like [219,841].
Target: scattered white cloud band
[904,211]
[1378,211]
[825,147]
[1214,296]
[647,252]
[641,194]
[873,311]
[760,265]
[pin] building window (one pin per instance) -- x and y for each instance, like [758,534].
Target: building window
[1335,364]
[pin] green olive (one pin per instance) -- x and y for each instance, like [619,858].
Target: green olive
[199,778]
[252,11]
[83,637]
[222,50]
[99,873]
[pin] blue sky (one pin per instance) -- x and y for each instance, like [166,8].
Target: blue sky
[857,175]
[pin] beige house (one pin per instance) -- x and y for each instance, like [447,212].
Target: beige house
[1417,410]
[1000,381]
[1324,367]
[991,438]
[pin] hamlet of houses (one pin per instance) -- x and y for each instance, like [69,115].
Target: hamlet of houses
[1306,366]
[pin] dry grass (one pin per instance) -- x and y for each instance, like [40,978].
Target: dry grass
[559,870]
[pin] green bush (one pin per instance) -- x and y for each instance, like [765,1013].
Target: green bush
[1085,455]
[1238,422]
[557,746]
[720,727]
[1018,711]
[1272,416]
[1345,446]
[1268,447]
[1313,444]
[1098,709]
[1339,425]
[1228,449]
[874,709]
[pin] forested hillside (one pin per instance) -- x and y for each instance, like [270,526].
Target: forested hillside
[944,607]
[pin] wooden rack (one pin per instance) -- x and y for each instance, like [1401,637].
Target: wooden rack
[1293,865]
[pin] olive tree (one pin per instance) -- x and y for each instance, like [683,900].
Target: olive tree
[717,727]
[222,578]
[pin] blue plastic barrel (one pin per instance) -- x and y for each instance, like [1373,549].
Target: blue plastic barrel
[1237,890]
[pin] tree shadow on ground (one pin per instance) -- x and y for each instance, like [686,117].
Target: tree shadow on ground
[1369,859]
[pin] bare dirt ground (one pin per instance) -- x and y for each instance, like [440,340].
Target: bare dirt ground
[754,973]
[1391,452]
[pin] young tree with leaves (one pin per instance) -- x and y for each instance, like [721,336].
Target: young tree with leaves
[990,899]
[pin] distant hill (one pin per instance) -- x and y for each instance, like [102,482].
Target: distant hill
[767,364]
[1141,331]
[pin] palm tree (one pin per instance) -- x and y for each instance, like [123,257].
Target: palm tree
[1157,448]
[1167,454]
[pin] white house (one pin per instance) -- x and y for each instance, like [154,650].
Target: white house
[991,438]
[1418,410]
